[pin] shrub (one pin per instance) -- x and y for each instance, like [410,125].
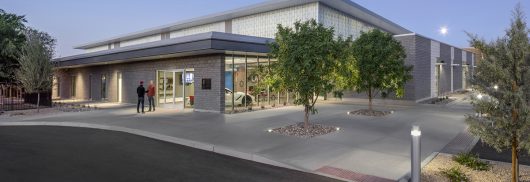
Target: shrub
[472,161]
[455,174]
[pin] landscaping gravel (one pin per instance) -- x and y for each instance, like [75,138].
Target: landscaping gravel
[500,171]
[298,130]
[367,112]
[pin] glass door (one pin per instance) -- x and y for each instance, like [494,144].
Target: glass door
[175,88]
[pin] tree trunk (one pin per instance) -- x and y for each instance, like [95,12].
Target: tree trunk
[38,101]
[515,142]
[306,117]
[370,99]
[515,160]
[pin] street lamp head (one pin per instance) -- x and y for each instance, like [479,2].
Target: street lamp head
[415,131]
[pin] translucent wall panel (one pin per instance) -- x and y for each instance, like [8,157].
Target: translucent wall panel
[212,27]
[265,24]
[96,49]
[146,39]
[344,25]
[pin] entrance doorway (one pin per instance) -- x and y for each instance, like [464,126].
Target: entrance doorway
[175,88]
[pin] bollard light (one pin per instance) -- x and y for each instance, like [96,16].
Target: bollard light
[415,152]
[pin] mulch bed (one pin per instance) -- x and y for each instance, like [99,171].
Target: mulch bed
[367,112]
[298,130]
[484,151]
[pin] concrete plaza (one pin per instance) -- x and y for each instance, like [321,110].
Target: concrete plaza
[376,146]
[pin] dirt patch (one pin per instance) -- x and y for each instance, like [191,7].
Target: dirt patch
[298,130]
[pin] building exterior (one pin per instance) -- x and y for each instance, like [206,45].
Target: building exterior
[209,63]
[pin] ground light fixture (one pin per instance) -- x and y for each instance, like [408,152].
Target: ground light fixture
[269,130]
[479,96]
[415,152]
[337,128]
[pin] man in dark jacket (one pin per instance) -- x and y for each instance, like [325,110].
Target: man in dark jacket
[141,93]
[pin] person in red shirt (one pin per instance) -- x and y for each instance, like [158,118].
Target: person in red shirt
[151,95]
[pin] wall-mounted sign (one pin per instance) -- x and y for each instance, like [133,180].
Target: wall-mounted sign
[206,83]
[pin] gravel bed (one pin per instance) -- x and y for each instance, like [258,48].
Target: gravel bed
[500,171]
[367,112]
[251,109]
[29,112]
[298,130]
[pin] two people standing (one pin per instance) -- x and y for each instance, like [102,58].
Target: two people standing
[141,95]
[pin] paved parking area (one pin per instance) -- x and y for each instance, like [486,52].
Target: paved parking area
[55,154]
[377,146]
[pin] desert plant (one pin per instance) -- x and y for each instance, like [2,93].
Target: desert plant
[472,161]
[455,174]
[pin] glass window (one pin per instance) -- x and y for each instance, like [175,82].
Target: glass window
[229,83]
[240,97]
[252,81]
[263,87]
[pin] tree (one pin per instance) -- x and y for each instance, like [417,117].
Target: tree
[36,69]
[11,40]
[306,57]
[503,75]
[381,62]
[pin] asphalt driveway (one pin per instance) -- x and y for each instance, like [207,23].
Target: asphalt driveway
[44,153]
[377,146]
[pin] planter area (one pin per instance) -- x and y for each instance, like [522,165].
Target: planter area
[298,130]
[367,112]
[498,171]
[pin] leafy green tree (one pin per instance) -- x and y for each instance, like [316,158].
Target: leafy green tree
[381,63]
[11,40]
[503,75]
[306,57]
[346,73]
[36,69]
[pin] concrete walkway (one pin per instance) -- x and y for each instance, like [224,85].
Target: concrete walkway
[372,146]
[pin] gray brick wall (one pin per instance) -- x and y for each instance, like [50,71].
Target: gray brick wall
[457,70]
[409,43]
[208,66]
[445,76]
[422,68]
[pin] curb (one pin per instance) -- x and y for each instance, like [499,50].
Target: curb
[190,143]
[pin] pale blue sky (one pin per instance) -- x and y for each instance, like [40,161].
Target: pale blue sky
[74,22]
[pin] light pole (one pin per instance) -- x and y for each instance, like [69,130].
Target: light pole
[415,154]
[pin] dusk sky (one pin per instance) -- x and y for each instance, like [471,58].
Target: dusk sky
[77,22]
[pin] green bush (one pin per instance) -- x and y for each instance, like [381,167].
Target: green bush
[455,174]
[472,161]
